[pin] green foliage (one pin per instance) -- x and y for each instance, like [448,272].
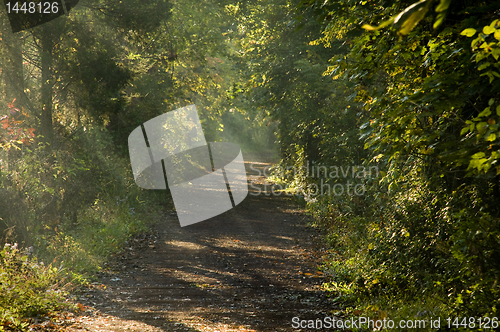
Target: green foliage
[423,240]
[134,16]
[484,127]
[410,87]
[68,203]
[100,231]
[86,80]
[413,244]
[286,81]
[28,288]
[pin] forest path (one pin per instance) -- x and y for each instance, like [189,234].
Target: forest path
[252,268]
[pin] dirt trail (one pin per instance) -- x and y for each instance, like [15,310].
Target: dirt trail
[253,268]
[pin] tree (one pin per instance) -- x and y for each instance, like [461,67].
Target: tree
[426,98]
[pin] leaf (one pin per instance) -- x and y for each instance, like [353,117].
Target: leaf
[31,131]
[381,26]
[485,112]
[411,16]
[468,32]
[478,155]
[439,20]
[491,137]
[497,35]
[489,74]
[481,126]
[443,5]
[487,30]
[496,53]
[484,66]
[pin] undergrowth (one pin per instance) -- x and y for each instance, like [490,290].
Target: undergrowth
[29,288]
[73,207]
[412,254]
[418,251]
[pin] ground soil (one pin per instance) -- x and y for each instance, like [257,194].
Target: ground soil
[252,268]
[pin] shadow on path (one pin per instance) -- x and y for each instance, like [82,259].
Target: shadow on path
[252,268]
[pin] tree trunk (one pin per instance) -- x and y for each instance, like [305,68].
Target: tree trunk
[11,69]
[46,125]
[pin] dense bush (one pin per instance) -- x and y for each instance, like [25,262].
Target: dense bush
[28,288]
[416,252]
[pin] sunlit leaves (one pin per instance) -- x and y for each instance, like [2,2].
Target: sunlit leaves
[381,26]
[487,30]
[15,132]
[28,288]
[484,125]
[411,16]
[443,5]
[432,96]
[469,32]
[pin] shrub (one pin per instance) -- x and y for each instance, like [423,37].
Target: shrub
[28,287]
